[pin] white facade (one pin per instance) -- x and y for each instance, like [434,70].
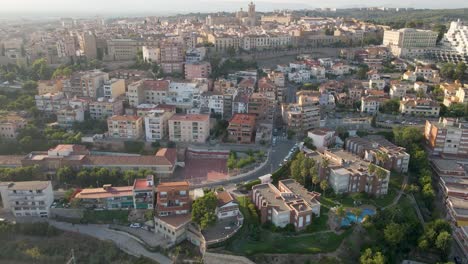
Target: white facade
[50,102]
[156,125]
[31,198]
[151,54]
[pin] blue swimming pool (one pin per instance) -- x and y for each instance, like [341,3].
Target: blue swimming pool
[350,218]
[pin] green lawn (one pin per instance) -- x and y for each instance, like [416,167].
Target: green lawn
[281,244]
[320,223]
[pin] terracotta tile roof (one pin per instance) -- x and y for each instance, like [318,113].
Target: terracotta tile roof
[10,160]
[243,119]
[247,82]
[177,220]
[146,160]
[156,85]
[169,154]
[99,193]
[142,184]
[224,197]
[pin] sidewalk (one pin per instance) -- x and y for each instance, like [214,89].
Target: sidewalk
[124,242]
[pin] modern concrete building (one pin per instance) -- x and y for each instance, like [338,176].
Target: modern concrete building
[28,198]
[92,83]
[67,116]
[449,136]
[114,88]
[322,138]
[302,116]
[290,203]
[189,128]
[409,42]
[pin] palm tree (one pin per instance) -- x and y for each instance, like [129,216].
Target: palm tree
[314,175]
[340,212]
[356,212]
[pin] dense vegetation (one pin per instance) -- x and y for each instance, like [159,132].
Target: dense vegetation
[203,210]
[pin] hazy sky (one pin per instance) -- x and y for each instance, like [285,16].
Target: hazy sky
[157,6]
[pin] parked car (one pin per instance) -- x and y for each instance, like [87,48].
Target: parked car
[135,225]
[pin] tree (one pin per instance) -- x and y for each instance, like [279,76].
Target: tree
[362,72]
[30,85]
[441,29]
[324,186]
[315,177]
[448,70]
[10,77]
[370,257]
[443,241]
[394,233]
[405,136]
[340,212]
[460,71]
[203,210]
[391,106]
[40,70]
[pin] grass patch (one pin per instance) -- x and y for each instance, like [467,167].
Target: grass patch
[319,223]
[106,216]
[275,243]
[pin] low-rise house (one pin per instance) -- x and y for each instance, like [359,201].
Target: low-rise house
[420,87]
[227,206]
[10,125]
[377,84]
[107,197]
[290,203]
[143,193]
[27,198]
[427,73]
[371,104]
[409,76]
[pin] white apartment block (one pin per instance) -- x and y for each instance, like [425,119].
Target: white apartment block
[408,42]
[125,127]
[104,108]
[151,54]
[419,107]
[29,198]
[212,102]
[370,104]
[157,125]
[189,128]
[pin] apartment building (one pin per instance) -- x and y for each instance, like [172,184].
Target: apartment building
[289,203]
[92,83]
[197,70]
[449,136]
[50,102]
[157,124]
[27,198]
[398,90]
[322,138]
[189,128]
[380,151]
[260,105]
[212,102]
[371,104]
[241,129]
[151,54]
[88,45]
[419,107]
[223,42]
[302,116]
[148,91]
[172,57]
[172,210]
[114,88]
[409,42]
[126,49]
[348,173]
[10,124]
[103,108]
[125,127]
[49,86]
[67,116]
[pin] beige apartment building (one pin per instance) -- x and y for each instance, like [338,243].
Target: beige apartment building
[302,116]
[419,107]
[125,127]
[156,124]
[114,88]
[148,92]
[197,70]
[448,136]
[126,49]
[104,108]
[407,42]
[172,57]
[10,124]
[189,128]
